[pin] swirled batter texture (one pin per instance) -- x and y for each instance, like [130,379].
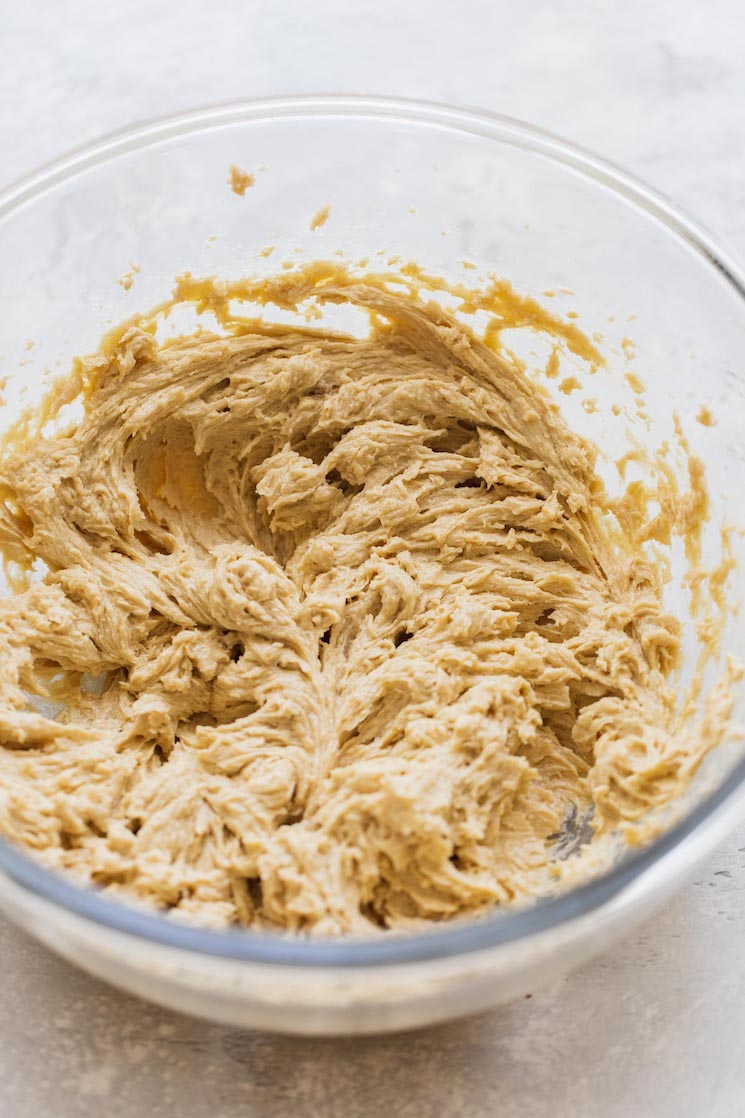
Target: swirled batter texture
[368,632]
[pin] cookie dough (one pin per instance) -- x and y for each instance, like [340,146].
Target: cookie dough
[345,627]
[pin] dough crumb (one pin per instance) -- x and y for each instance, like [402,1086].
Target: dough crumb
[635,383]
[320,217]
[240,180]
[127,278]
[569,384]
[705,416]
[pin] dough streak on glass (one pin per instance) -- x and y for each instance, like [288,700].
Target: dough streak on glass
[368,628]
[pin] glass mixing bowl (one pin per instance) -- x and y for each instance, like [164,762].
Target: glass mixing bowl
[437,185]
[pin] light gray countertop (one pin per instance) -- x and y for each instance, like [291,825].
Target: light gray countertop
[654,1028]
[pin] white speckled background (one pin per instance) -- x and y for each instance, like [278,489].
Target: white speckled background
[654,1029]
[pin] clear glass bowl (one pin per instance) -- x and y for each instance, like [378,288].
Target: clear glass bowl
[438,185]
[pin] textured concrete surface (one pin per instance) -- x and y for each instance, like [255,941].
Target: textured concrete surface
[655,1028]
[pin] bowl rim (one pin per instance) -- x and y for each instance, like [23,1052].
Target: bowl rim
[444,940]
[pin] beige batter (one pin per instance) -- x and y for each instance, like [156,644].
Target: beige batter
[369,630]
